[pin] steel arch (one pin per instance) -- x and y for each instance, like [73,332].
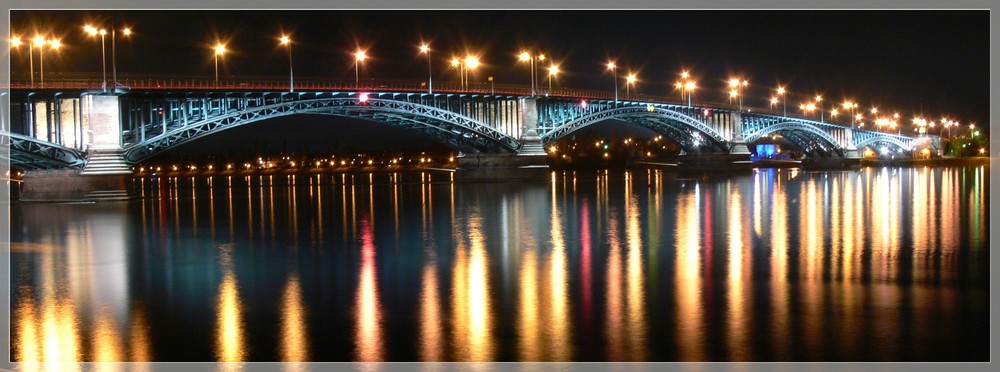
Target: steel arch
[457,130]
[887,139]
[31,153]
[657,119]
[803,134]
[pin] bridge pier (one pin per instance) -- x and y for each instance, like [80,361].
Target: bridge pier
[528,163]
[104,176]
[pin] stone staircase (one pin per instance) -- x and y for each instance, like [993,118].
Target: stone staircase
[105,162]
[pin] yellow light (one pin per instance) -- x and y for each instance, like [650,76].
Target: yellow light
[541,57]
[810,107]
[678,85]
[690,85]
[220,49]
[819,98]
[524,56]
[455,61]
[684,75]
[858,116]
[834,112]
[781,90]
[285,40]
[631,78]
[424,48]
[360,56]
[471,62]
[847,105]
[895,115]
[611,65]
[15,42]
[127,31]
[745,83]
[734,83]
[552,149]
[733,93]
[774,100]
[553,70]
[56,44]
[39,41]
[874,110]
[90,29]
[103,32]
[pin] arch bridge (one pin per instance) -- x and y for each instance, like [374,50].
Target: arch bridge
[71,127]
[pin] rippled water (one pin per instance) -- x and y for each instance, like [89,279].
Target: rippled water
[883,264]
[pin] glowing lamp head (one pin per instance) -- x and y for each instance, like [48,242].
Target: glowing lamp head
[424,48]
[360,56]
[15,42]
[678,85]
[690,85]
[733,93]
[103,32]
[781,90]
[471,62]
[734,83]
[874,110]
[39,41]
[455,62]
[819,98]
[220,49]
[524,56]
[611,65]
[846,105]
[684,75]
[541,57]
[631,78]
[285,40]
[553,70]
[810,107]
[363,98]
[55,44]
[774,100]
[127,31]
[90,29]
[583,103]
[834,112]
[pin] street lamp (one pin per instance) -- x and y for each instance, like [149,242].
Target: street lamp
[471,63]
[455,62]
[114,68]
[774,101]
[15,42]
[426,49]
[39,43]
[359,57]
[736,86]
[819,99]
[527,57]
[93,31]
[614,74]
[220,49]
[629,80]
[784,102]
[287,42]
[689,87]
[553,71]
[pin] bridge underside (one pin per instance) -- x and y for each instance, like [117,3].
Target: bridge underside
[459,132]
[687,137]
[810,143]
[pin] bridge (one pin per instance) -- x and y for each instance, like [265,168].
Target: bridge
[76,124]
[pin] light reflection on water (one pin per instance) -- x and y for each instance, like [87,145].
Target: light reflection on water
[773,265]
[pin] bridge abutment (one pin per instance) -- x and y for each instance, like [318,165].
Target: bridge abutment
[105,174]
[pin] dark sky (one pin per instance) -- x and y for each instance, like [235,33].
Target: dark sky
[897,60]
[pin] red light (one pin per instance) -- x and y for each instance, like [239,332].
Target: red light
[583,103]
[363,98]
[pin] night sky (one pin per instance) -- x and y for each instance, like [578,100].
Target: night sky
[934,62]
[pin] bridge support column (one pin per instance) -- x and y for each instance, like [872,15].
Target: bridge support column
[531,143]
[739,144]
[528,163]
[105,175]
[851,151]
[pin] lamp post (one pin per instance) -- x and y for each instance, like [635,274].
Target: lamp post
[219,50]
[819,99]
[553,71]
[93,31]
[629,80]
[15,42]
[689,87]
[784,102]
[737,86]
[426,49]
[526,57]
[114,68]
[359,57]
[614,76]
[287,42]
[455,62]
[40,44]
[471,63]
[774,101]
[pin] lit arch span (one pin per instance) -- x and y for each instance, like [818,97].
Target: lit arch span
[808,137]
[29,153]
[461,132]
[690,133]
[901,143]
